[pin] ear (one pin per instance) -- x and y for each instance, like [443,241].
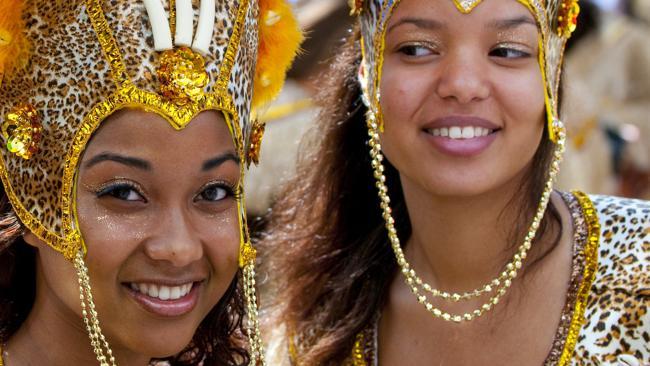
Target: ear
[33,240]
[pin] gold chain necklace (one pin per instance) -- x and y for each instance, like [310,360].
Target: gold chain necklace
[499,285]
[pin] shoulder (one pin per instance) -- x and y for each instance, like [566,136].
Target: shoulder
[617,314]
[624,243]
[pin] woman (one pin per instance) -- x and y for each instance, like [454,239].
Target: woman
[125,155]
[469,257]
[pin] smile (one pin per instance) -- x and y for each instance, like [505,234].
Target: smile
[162,292]
[460,133]
[165,300]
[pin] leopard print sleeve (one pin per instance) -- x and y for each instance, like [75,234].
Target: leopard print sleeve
[616,329]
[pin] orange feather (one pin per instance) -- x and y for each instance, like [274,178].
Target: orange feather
[279,42]
[14,47]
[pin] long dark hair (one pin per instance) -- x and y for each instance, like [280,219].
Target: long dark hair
[327,245]
[218,341]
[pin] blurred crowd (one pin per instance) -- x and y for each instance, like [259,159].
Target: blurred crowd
[606,100]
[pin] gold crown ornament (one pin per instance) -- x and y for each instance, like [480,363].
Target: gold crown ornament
[83,60]
[556,20]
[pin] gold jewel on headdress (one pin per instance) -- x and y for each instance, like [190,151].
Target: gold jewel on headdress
[356,7]
[22,130]
[567,19]
[257,134]
[182,76]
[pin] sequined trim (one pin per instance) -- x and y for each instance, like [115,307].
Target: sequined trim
[579,241]
[109,44]
[591,266]
[233,46]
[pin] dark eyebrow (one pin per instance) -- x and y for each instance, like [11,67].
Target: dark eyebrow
[418,22]
[510,23]
[217,161]
[125,160]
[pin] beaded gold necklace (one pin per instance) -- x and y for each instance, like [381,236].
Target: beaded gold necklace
[497,286]
[358,355]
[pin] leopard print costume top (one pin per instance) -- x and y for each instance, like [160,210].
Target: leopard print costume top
[615,327]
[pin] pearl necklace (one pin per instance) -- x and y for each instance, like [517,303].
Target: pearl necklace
[500,285]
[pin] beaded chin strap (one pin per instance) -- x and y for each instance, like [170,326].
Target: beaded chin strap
[557,20]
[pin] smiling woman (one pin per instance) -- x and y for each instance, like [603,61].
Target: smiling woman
[127,137]
[424,227]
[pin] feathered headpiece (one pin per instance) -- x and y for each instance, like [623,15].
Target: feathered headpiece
[91,58]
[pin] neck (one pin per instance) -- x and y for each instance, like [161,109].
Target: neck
[53,334]
[460,243]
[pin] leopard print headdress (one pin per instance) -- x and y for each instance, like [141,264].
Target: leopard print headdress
[556,20]
[66,65]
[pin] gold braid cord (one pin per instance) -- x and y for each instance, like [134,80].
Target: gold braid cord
[89,312]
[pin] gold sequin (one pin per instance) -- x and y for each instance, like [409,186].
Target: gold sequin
[182,76]
[22,130]
[567,19]
[257,134]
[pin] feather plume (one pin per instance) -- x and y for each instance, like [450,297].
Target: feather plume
[14,47]
[279,42]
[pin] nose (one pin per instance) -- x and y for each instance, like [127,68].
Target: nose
[175,240]
[463,78]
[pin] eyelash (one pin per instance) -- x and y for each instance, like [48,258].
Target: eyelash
[408,50]
[112,188]
[504,48]
[231,191]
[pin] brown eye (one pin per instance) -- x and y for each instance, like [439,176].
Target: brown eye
[216,192]
[121,191]
[416,51]
[508,52]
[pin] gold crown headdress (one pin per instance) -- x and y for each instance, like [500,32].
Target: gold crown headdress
[79,61]
[556,20]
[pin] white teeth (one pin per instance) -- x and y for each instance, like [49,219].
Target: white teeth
[457,132]
[468,132]
[162,292]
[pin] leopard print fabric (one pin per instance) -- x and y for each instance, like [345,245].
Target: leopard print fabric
[68,75]
[617,318]
[616,328]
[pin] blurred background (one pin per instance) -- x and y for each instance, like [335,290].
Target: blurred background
[606,100]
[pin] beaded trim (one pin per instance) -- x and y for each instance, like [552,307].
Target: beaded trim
[585,264]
